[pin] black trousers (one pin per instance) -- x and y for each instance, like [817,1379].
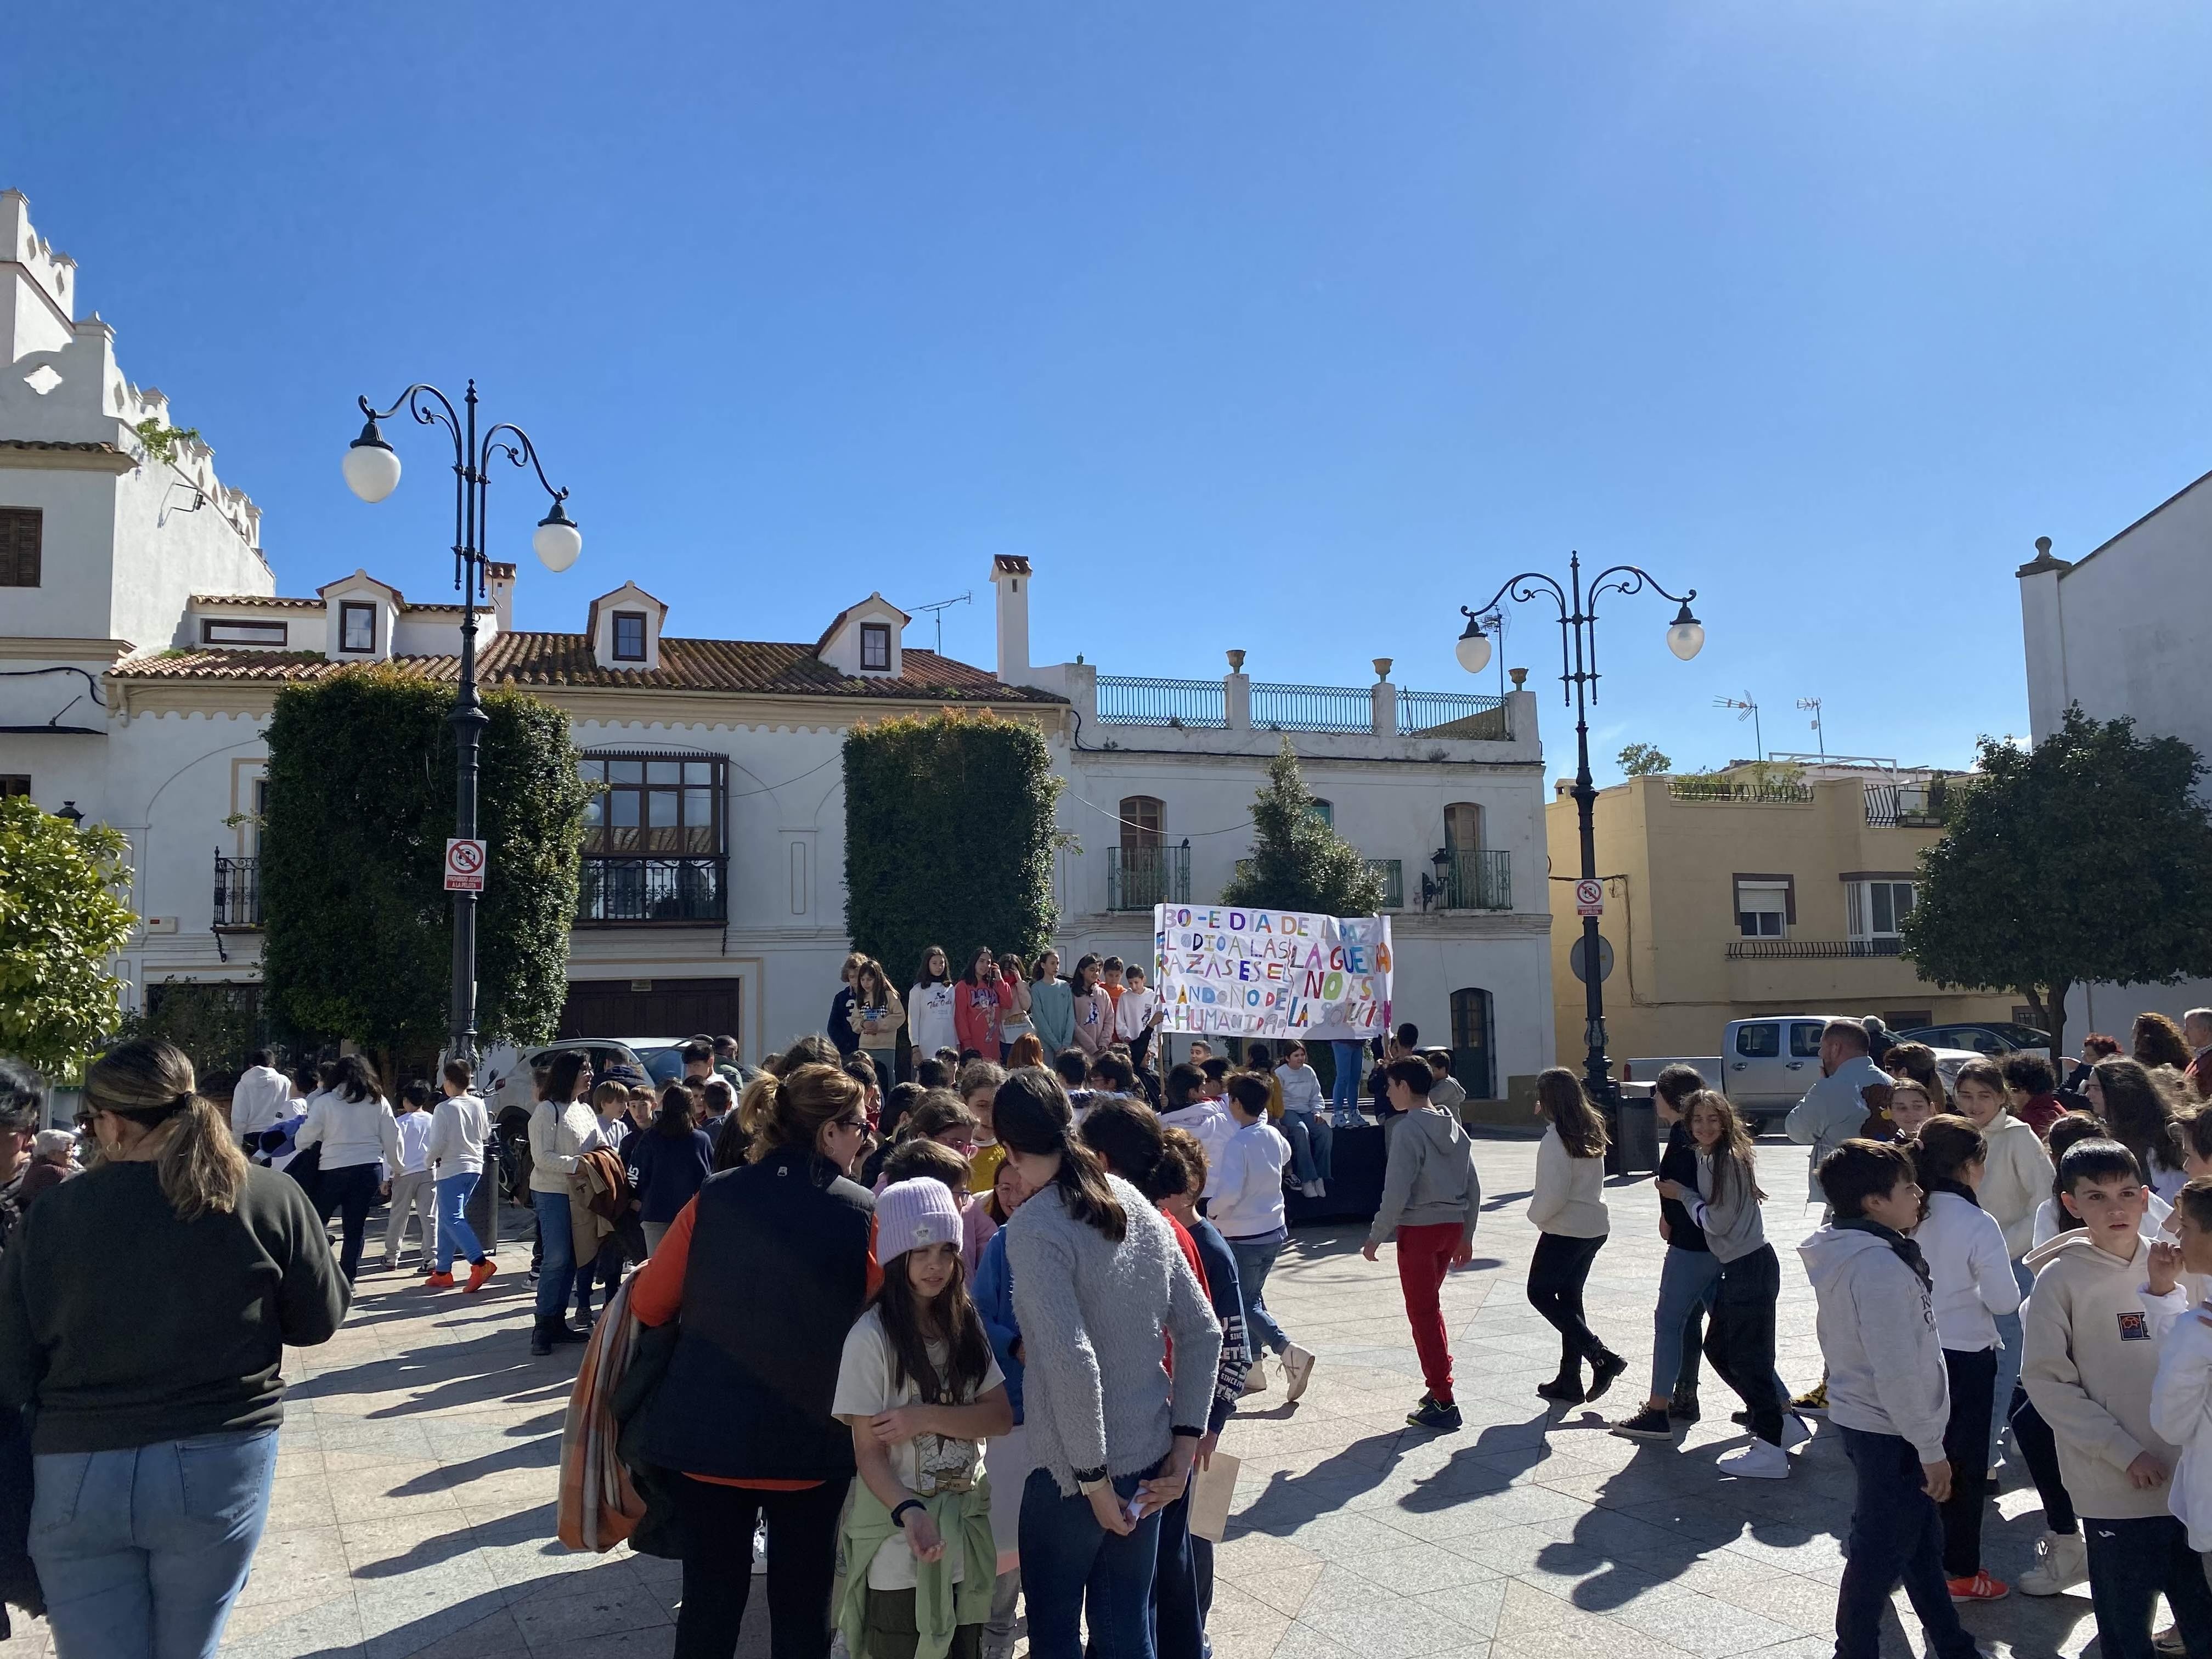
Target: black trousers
[2129,1563]
[1740,1337]
[350,1192]
[1967,1444]
[1896,1537]
[2039,1448]
[1557,1273]
[718,1567]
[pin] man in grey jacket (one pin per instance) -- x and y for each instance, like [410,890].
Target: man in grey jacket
[1431,1199]
[1834,1108]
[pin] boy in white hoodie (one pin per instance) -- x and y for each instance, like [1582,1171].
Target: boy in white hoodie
[2103,1295]
[1887,1395]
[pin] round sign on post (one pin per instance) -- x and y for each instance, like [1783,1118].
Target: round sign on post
[1589,896]
[1578,961]
[464,867]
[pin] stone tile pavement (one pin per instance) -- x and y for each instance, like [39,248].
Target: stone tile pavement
[413,1513]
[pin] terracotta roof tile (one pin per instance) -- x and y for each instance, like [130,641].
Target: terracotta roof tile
[526,661]
[265,601]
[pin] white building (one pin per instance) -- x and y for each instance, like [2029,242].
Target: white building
[147,642]
[2121,631]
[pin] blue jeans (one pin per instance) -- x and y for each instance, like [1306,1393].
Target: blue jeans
[455,1236]
[1351,1067]
[1255,1257]
[1309,1136]
[142,1551]
[2010,1339]
[1072,1566]
[557,1272]
[1688,1279]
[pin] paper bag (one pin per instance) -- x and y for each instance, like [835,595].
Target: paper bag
[1213,1490]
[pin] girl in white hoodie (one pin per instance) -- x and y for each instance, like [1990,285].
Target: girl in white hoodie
[2015,1180]
[1972,1288]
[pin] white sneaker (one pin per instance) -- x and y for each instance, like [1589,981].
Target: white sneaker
[1757,1461]
[2061,1562]
[1297,1370]
[760,1548]
[1313,1189]
[1256,1380]
[1795,1430]
[1321,1189]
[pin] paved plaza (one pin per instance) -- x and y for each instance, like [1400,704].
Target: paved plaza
[413,1513]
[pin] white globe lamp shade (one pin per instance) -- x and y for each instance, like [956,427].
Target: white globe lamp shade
[1686,635]
[1474,649]
[372,469]
[557,543]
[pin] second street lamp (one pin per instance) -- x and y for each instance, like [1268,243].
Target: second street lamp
[1685,637]
[372,472]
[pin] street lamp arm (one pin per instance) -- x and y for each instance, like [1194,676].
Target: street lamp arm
[520,450]
[1635,579]
[412,400]
[1524,586]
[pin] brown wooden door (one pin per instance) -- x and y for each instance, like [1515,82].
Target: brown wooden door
[651,1008]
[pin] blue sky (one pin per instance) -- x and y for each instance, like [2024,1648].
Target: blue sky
[1283,326]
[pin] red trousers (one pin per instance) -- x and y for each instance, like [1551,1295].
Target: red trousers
[1423,1256]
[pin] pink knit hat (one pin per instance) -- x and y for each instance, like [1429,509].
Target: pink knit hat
[910,1213]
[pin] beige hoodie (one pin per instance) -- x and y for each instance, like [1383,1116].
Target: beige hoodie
[2015,1179]
[2091,1341]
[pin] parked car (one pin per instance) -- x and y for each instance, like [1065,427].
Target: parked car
[504,1071]
[1994,1038]
[1767,1063]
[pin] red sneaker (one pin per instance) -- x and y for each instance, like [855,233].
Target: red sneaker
[1980,1588]
[481,1272]
[439,1282]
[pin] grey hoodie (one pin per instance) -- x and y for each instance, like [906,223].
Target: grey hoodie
[1872,1304]
[1429,1176]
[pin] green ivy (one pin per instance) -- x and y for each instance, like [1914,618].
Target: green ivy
[949,837]
[62,916]
[161,442]
[358,926]
[1298,862]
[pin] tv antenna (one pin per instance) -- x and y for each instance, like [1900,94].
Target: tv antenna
[937,614]
[1749,711]
[1812,706]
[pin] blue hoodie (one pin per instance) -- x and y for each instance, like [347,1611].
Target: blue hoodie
[994,1300]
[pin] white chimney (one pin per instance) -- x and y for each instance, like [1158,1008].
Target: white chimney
[499,579]
[1010,574]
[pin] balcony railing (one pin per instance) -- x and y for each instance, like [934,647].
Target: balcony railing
[1478,879]
[1805,950]
[1126,701]
[1905,805]
[615,892]
[1392,872]
[1138,877]
[1726,789]
[237,892]
[1451,715]
[1312,709]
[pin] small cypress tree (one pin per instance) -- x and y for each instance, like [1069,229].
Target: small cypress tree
[949,837]
[1298,862]
[359,929]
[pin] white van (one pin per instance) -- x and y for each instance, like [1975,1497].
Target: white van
[1768,1064]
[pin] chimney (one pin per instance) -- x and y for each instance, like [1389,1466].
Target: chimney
[1010,574]
[500,580]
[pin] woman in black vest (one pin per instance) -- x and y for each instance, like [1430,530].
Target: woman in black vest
[766,1270]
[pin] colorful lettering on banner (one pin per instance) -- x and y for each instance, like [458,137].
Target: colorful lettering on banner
[1226,971]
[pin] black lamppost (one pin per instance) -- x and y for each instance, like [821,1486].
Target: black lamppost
[1685,637]
[372,472]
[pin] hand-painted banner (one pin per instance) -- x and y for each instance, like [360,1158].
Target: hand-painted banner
[1237,972]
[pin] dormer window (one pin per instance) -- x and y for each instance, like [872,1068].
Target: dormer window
[629,636]
[876,647]
[356,626]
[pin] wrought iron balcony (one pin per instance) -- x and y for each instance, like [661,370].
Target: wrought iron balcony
[1312,709]
[237,892]
[1452,715]
[1123,701]
[1766,950]
[647,892]
[1392,872]
[1905,805]
[1138,877]
[1478,878]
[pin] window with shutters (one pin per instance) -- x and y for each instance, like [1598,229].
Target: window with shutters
[14,783]
[21,531]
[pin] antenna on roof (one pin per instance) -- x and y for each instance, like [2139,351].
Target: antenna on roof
[1750,712]
[936,613]
[1812,706]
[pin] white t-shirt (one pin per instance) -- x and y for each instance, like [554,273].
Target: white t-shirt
[929,1018]
[926,1464]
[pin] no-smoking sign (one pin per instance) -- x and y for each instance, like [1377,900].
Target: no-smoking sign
[1589,896]
[464,867]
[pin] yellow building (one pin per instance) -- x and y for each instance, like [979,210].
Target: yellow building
[1726,899]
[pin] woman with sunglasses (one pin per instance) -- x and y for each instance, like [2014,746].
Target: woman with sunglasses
[764,1272]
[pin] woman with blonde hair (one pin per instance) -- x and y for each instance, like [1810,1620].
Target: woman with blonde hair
[145,1310]
[764,1272]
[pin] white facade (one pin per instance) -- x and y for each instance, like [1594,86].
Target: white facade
[169,612]
[2121,631]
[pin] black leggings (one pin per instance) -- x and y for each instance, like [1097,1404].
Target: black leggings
[350,1191]
[1740,1337]
[718,1567]
[1557,1273]
[1973,1379]
[2040,1450]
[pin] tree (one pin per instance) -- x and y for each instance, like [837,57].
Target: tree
[1298,862]
[62,916]
[2087,859]
[359,939]
[949,837]
[1644,760]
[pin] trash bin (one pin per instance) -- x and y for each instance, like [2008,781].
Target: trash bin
[1638,1136]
